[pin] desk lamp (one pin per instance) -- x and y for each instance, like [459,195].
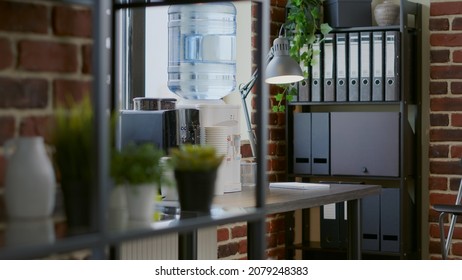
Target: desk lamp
[281,69]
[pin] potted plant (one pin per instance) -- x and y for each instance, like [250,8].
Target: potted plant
[138,169]
[303,22]
[72,138]
[195,169]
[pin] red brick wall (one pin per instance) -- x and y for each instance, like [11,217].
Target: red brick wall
[42,57]
[45,52]
[276,121]
[445,149]
[232,238]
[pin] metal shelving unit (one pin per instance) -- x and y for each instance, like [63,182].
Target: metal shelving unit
[408,181]
[102,240]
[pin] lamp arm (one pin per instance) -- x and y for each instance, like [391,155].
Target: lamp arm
[245,89]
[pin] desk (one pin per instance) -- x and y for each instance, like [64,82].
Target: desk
[284,200]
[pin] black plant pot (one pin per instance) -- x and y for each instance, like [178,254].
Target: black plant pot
[77,200]
[195,191]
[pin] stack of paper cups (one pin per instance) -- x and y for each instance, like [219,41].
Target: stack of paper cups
[218,137]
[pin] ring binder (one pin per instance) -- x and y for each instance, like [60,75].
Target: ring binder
[392,58]
[316,89]
[341,63]
[353,66]
[377,66]
[304,85]
[329,67]
[365,67]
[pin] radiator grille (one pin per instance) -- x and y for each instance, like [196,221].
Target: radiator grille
[165,247]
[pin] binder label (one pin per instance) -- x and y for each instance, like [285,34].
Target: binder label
[354,51]
[390,58]
[328,59]
[341,61]
[316,67]
[377,62]
[329,211]
[365,56]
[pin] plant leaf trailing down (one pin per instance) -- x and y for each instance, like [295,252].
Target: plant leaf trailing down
[303,22]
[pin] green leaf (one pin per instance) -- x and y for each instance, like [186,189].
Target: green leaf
[279,97]
[315,12]
[311,38]
[195,158]
[296,2]
[299,17]
[293,91]
[282,108]
[325,28]
[274,109]
[137,164]
[290,97]
[314,61]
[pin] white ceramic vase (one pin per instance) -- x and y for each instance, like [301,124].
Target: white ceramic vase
[21,232]
[118,213]
[141,202]
[387,13]
[29,180]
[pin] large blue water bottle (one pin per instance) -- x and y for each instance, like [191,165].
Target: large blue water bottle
[202,50]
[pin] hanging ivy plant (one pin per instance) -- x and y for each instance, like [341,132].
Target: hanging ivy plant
[288,92]
[303,22]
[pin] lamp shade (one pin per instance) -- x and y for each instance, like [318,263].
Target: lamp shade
[282,69]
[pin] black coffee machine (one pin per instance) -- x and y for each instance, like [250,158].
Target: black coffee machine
[164,128]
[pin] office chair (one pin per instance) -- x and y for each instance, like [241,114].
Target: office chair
[454,210]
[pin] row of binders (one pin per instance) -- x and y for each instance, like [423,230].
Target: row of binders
[354,66]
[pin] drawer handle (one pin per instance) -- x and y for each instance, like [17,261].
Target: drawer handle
[370,236]
[390,237]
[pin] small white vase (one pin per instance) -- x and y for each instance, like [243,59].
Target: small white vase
[387,13]
[118,213]
[141,202]
[22,232]
[29,179]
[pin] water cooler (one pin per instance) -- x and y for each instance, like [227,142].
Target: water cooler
[202,70]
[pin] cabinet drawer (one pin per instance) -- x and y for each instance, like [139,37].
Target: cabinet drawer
[365,143]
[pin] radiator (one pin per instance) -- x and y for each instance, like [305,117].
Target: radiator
[165,247]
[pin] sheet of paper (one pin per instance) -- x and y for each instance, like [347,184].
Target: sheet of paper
[298,185]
